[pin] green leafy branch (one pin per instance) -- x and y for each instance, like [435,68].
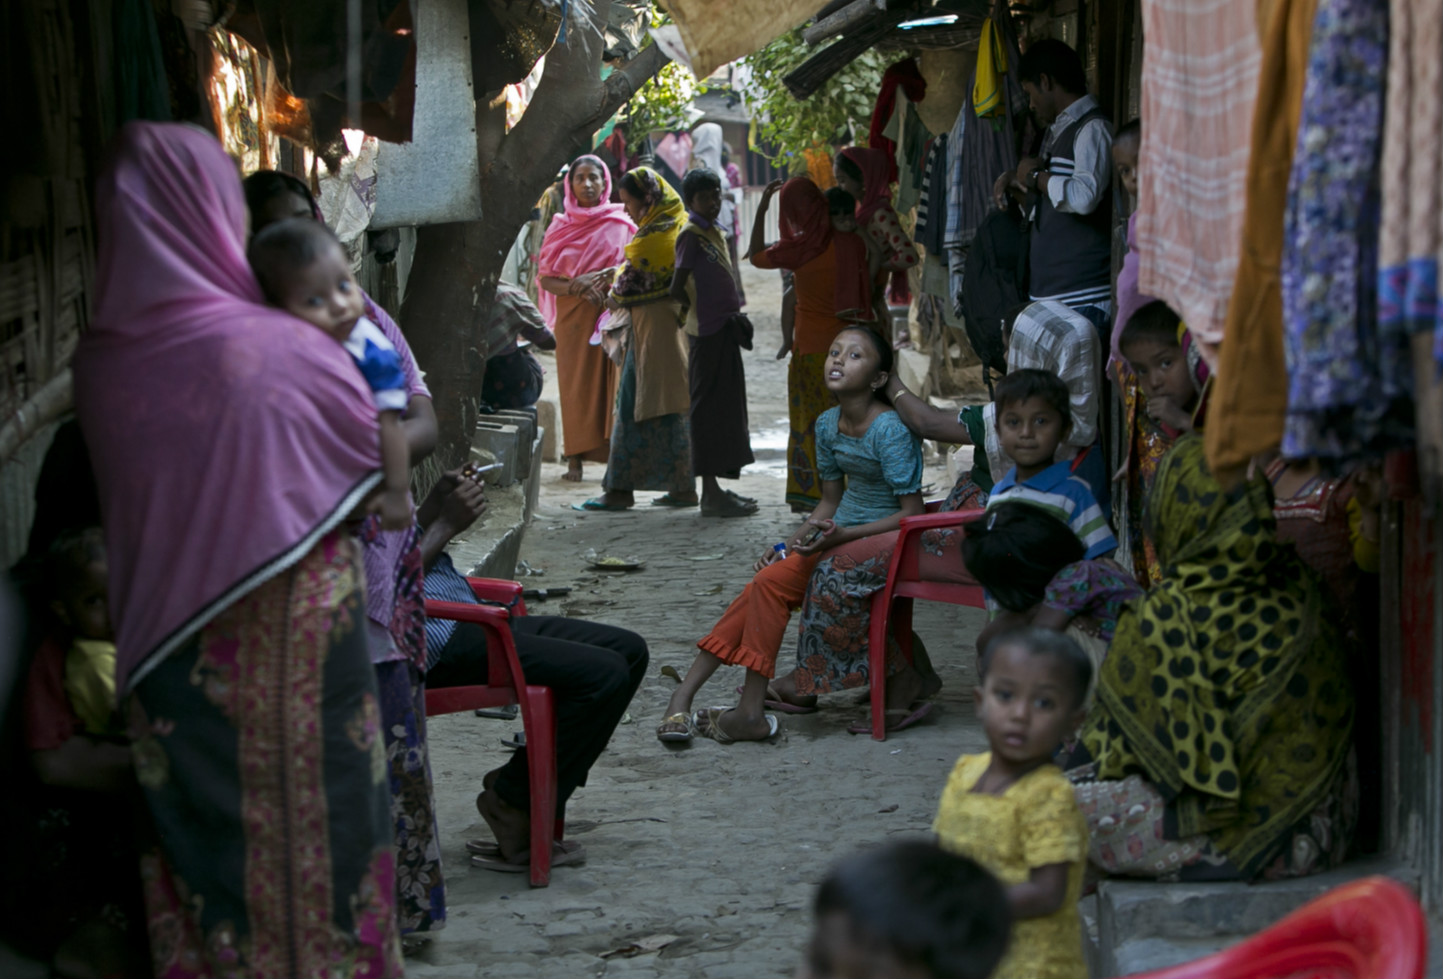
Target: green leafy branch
[788,126]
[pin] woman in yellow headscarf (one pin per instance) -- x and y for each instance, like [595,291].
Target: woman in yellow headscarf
[650,444]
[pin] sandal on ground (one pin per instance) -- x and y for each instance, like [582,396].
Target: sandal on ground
[490,848]
[519,864]
[743,500]
[666,499]
[905,718]
[597,504]
[674,729]
[707,723]
[730,508]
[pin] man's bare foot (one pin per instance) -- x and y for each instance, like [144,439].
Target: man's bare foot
[510,826]
[573,470]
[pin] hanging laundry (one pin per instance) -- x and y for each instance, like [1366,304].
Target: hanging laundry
[1248,404]
[906,76]
[987,87]
[1409,244]
[931,231]
[1348,395]
[983,149]
[1199,82]
[909,138]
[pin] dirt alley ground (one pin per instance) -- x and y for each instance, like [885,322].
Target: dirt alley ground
[712,851]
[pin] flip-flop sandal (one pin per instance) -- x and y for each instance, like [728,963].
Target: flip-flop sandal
[597,505]
[516,742]
[519,864]
[782,707]
[490,848]
[674,736]
[706,722]
[908,719]
[744,500]
[507,713]
[666,499]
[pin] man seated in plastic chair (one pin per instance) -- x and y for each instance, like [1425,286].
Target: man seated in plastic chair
[593,671]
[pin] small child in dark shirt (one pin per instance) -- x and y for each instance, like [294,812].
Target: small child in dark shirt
[303,269]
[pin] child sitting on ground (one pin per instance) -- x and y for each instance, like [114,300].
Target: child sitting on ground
[1167,382]
[79,598]
[907,910]
[303,269]
[861,438]
[1033,417]
[1013,811]
[1031,564]
[718,332]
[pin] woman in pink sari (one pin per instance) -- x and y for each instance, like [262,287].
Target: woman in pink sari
[230,443]
[582,249]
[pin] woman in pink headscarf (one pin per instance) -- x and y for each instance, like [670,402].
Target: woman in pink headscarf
[863,174]
[230,441]
[582,249]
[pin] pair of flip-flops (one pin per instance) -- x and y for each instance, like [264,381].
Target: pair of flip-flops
[485,853]
[907,716]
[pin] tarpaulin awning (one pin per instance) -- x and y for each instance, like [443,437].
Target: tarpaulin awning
[717,33]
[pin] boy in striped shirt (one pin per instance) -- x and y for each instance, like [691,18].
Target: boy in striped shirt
[1033,417]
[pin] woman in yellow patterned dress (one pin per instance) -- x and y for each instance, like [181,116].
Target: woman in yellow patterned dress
[1013,811]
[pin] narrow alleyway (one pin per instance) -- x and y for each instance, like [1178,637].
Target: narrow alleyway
[719,847]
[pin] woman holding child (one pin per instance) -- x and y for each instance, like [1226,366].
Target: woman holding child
[1221,737]
[241,647]
[650,444]
[392,562]
[830,281]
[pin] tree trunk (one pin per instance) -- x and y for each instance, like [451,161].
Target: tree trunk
[453,277]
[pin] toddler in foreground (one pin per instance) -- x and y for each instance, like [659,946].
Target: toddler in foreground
[1013,811]
[907,911]
[303,269]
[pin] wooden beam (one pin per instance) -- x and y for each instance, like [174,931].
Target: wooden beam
[810,75]
[843,20]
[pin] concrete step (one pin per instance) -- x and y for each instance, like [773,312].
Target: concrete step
[1143,925]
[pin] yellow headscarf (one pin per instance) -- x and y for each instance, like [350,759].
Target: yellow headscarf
[651,254]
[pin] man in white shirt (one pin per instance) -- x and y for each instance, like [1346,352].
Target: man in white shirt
[1068,188]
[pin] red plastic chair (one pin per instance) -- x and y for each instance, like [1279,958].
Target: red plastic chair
[506,684]
[1369,929]
[892,606]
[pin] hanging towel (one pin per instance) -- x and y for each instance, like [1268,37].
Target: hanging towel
[1199,82]
[987,90]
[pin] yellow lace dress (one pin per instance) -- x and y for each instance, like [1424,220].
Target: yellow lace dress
[1034,823]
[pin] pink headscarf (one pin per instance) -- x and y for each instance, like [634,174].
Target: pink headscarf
[227,436]
[582,239]
[876,189]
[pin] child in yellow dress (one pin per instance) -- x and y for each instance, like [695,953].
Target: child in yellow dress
[1013,811]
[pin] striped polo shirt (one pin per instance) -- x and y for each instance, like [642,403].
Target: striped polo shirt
[1066,497]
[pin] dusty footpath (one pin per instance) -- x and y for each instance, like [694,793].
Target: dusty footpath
[702,861]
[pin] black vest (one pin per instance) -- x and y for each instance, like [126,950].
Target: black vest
[1071,259]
